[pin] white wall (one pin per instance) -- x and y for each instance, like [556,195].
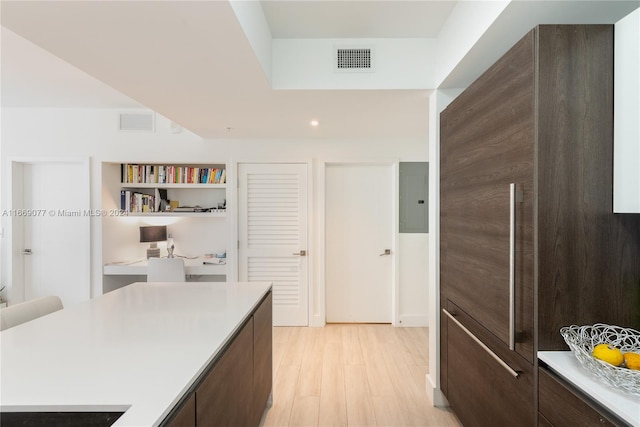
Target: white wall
[452,44]
[30,134]
[310,64]
[413,276]
[438,101]
[51,133]
[256,28]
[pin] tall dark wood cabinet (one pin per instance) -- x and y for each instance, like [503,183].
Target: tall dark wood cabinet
[529,242]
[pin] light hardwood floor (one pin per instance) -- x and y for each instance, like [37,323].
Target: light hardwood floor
[352,375]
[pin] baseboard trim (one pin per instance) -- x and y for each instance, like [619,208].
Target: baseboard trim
[316,321]
[413,321]
[435,395]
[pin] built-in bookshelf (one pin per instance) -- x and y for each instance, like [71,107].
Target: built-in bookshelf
[173,190]
[190,199]
[172,174]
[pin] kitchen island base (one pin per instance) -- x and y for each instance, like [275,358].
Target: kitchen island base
[229,394]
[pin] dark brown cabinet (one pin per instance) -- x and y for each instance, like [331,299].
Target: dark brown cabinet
[235,389]
[186,416]
[529,242]
[562,406]
[486,145]
[225,397]
[262,360]
[489,394]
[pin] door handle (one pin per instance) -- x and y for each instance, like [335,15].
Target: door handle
[497,358]
[514,198]
[27,252]
[386,252]
[512,265]
[301,253]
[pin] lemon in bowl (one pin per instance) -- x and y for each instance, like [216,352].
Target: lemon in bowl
[608,353]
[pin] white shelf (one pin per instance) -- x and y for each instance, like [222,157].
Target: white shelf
[192,267]
[165,185]
[179,214]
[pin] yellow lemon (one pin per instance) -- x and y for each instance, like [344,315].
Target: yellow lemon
[632,361]
[609,354]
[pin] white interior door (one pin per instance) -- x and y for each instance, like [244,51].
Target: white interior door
[56,231]
[359,229]
[272,231]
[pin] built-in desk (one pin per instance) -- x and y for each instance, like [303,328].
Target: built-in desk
[119,274]
[194,267]
[139,350]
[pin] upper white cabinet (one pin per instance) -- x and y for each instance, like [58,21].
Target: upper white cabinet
[626,176]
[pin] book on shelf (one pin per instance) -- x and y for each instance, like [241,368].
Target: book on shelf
[135,202]
[170,174]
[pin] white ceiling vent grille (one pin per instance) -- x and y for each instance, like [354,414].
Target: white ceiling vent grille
[140,122]
[355,59]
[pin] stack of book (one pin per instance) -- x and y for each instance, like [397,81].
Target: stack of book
[132,201]
[161,174]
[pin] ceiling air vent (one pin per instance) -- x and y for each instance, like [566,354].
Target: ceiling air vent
[355,59]
[141,122]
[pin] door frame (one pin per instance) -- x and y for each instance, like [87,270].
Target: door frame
[320,319]
[15,262]
[232,200]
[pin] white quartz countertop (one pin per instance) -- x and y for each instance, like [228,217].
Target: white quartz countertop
[564,364]
[137,349]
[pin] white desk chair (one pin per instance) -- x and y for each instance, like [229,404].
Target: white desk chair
[166,270]
[17,314]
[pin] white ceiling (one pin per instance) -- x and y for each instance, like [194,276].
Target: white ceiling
[191,61]
[35,78]
[356,19]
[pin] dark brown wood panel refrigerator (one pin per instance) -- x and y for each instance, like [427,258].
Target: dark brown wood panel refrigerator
[529,242]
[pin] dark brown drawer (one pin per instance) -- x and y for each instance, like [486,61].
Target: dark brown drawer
[562,406]
[543,422]
[480,390]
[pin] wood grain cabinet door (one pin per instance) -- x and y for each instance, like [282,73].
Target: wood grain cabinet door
[481,391]
[486,145]
[225,396]
[186,415]
[262,357]
[563,407]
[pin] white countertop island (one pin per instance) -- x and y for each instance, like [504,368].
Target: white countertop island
[619,402]
[135,350]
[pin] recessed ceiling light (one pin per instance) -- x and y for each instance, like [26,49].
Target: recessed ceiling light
[314,123]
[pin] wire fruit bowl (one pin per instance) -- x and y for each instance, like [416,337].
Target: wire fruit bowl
[582,339]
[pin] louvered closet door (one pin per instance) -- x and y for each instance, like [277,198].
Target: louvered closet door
[272,228]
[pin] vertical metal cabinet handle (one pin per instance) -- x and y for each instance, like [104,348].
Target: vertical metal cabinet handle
[497,358]
[512,266]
